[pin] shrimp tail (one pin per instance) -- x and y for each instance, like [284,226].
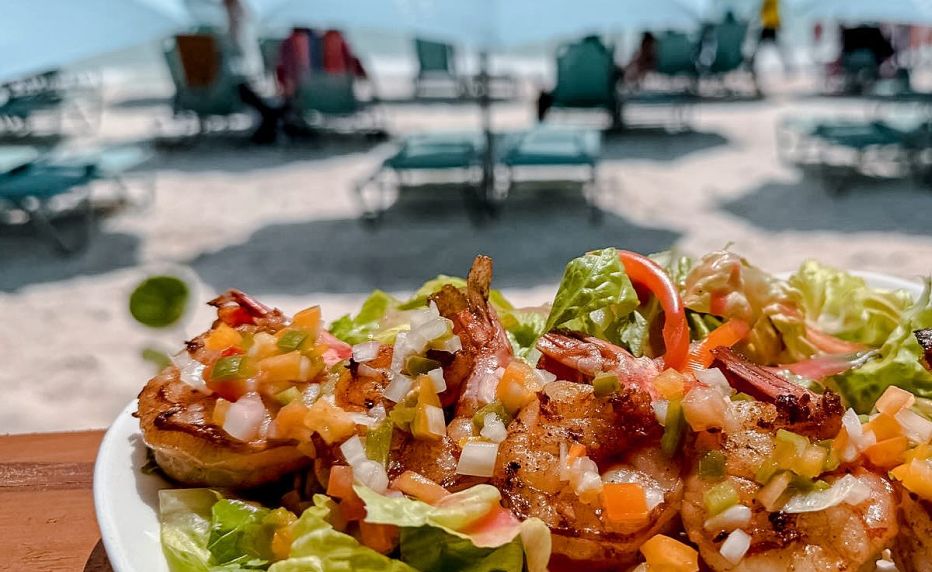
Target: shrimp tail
[485,344]
[799,406]
[924,337]
[236,308]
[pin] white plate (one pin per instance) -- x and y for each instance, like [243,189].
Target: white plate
[126,500]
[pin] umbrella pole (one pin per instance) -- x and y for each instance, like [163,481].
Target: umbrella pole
[485,105]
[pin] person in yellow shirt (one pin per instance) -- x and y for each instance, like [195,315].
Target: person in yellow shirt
[769,20]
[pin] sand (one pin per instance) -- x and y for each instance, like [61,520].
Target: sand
[282,224]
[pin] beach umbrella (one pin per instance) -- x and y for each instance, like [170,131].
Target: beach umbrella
[484,25]
[916,12]
[41,35]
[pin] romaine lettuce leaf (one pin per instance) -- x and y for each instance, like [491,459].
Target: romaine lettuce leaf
[318,547]
[201,531]
[431,549]
[595,296]
[845,306]
[473,514]
[899,362]
[362,327]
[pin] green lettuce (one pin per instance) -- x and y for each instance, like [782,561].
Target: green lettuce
[318,547]
[899,363]
[431,549]
[845,306]
[595,297]
[464,516]
[362,327]
[202,531]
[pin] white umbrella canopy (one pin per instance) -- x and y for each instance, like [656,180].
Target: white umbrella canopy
[39,35]
[917,12]
[484,24]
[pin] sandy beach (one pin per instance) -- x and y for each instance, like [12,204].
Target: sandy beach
[281,224]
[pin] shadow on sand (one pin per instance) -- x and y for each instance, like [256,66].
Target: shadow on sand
[654,143]
[26,258]
[531,241]
[882,206]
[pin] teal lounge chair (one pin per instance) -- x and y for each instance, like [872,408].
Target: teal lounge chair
[723,56]
[208,90]
[437,70]
[587,78]
[329,100]
[553,157]
[45,189]
[430,161]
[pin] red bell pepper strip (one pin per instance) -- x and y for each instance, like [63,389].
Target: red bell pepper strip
[648,274]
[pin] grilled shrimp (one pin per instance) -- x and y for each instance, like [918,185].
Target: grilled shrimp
[621,437]
[177,419]
[912,550]
[841,537]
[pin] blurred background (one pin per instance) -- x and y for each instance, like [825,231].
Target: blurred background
[309,151]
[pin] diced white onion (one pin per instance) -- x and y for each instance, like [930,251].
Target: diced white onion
[304,368]
[716,379]
[450,345]
[564,468]
[488,385]
[735,546]
[372,474]
[311,394]
[436,376]
[917,428]
[378,412]
[847,489]
[367,371]
[544,377]
[432,329]
[654,496]
[853,426]
[398,388]
[400,351]
[477,459]
[729,519]
[493,429]
[363,419]
[353,451]
[588,484]
[244,417]
[366,351]
[660,411]
[190,371]
[436,424]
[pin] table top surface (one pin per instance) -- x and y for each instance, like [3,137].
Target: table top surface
[46,502]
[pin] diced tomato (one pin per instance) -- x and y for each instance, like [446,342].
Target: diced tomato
[234,316]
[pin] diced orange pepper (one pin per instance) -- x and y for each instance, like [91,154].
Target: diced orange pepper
[624,503]
[726,335]
[888,453]
[383,538]
[918,479]
[670,384]
[512,390]
[340,482]
[426,392]
[291,366]
[352,508]
[332,423]
[281,542]
[419,487]
[222,337]
[289,423]
[220,412]
[308,320]
[664,553]
[894,400]
[577,450]
[884,427]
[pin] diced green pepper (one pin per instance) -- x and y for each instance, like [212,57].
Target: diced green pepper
[675,422]
[712,465]
[832,461]
[379,442]
[720,497]
[496,407]
[227,368]
[741,396]
[402,415]
[287,396]
[417,365]
[605,384]
[765,471]
[291,340]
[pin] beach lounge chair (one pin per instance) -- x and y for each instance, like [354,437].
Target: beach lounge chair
[676,56]
[44,189]
[587,78]
[548,157]
[726,52]
[437,70]
[205,86]
[429,161]
[329,100]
